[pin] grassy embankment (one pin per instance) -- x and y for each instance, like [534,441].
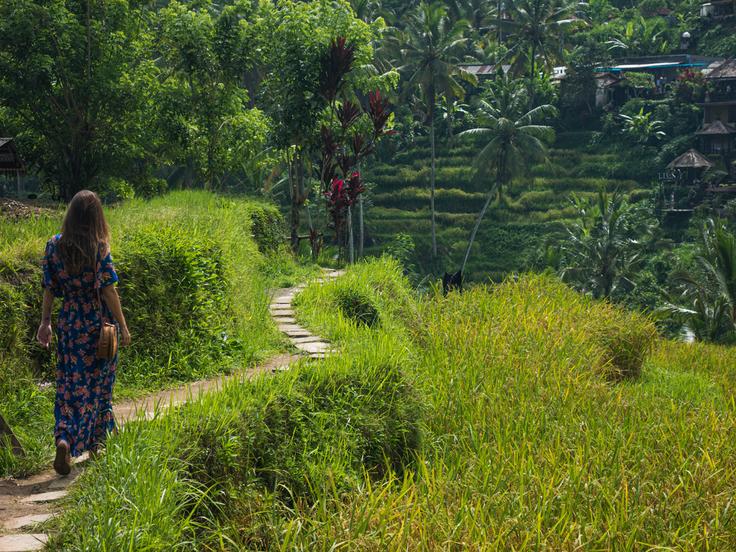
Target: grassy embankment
[193,286]
[546,421]
[514,230]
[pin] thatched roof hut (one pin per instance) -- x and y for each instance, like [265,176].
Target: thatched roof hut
[691,159]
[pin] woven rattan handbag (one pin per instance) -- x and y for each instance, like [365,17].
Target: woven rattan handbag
[107,344]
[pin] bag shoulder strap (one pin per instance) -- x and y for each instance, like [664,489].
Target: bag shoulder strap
[98,266]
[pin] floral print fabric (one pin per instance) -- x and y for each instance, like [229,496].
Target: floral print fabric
[83,407]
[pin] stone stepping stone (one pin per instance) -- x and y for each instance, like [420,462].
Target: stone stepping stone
[21,522]
[296,333]
[288,328]
[284,314]
[283,318]
[44,497]
[316,347]
[61,483]
[309,339]
[22,543]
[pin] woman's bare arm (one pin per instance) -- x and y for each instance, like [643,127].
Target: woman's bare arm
[112,300]
[44,328]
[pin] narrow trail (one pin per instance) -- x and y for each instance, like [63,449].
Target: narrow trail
[24,503]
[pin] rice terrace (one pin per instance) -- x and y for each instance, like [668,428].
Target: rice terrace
[367,275]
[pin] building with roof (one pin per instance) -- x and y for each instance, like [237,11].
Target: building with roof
[618,82]
[682,186]
[480,70]
[718,131]
[718,9]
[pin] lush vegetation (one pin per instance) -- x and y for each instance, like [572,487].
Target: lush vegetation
[365,117]
[522,415]
[194,286]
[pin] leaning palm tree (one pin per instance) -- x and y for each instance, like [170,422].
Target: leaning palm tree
[516,140]
[431,49]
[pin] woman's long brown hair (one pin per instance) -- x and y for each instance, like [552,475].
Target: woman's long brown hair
[83,230]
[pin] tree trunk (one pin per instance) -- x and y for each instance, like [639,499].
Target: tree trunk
[351,241]
[500,170]
[361,227]
[296,174]
[432,183]
[533,76]
[475,228]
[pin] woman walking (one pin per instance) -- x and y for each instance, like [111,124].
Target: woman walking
[77,267]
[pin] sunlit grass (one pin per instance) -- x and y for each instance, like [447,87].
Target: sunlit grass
[181,232]
[528,445]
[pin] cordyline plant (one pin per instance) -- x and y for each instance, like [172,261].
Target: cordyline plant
[345,142]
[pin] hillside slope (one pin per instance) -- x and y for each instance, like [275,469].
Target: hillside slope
[532,211]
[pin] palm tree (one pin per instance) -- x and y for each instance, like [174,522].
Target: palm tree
[537,27]
[431,48]
[710,293]
[476,12]
[605,246]
[516,140]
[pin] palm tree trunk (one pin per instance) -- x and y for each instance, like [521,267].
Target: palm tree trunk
[475,228]
[351,243]
[432,183]
[500,177]
[532,76]
[361,227]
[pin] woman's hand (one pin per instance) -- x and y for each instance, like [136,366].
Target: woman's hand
[43,335]
[124,337]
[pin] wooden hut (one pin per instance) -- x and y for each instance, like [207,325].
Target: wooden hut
[685,188]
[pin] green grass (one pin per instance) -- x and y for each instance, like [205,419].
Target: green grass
[528,444]
[539,419]
[194,284]
[224,472]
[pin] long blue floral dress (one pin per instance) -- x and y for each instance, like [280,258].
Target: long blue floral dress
[83,407]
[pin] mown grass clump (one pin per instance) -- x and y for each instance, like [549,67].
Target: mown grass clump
[217,472]
[193,285]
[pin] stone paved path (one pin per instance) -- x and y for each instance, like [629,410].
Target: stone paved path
[27,502]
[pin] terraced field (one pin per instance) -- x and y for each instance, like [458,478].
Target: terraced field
[532,212]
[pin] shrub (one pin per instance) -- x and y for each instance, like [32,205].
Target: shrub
[625,339]
[357,306]
[267,226]
[194,291]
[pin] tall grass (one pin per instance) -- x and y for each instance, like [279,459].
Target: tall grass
[546,422]
[529,444]
[225,472]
